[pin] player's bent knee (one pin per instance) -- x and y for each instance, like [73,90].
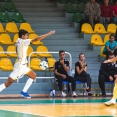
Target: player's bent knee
[9,82]
[34,76]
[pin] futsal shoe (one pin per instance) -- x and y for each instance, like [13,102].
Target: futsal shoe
[74,94]
[103,94]
[63,94]
[89,93]
[25,95]
[110,102]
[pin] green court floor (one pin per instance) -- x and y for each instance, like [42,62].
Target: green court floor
[52,101]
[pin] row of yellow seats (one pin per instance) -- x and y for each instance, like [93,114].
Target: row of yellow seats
[30,50]
[97,40]
[35,62]
[99,28]
[11,27]
[6,39]
[6,64]
[101,52]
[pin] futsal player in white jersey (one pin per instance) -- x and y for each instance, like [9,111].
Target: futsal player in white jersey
[20,67]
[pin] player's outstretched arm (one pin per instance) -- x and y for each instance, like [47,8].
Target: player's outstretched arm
[111,60]
[43,36]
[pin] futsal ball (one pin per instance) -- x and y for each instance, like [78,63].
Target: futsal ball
[43,65]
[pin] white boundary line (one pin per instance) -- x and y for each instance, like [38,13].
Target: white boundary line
[25,113]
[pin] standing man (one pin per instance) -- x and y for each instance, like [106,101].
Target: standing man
[93,12]
[61,73]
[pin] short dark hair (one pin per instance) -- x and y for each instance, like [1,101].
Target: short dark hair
[61,51]
[111,35]
[115,1]
[110,54]
[22,32]
[81,54]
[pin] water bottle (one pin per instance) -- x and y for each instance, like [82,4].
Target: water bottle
[72,72]
[52,93]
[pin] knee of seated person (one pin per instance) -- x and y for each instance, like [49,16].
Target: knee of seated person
[90,17]
[60,80]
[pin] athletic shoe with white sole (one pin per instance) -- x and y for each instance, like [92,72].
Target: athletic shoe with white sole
[110,102]
[74,94]
[63,94]
[24,94]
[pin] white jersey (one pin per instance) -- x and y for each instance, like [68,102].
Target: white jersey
[21,49]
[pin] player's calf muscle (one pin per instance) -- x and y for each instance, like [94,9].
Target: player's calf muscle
[8,82]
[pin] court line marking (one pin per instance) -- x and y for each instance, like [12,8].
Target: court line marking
[25,113]
[54,103]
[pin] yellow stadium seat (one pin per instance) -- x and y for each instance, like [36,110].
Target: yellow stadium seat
[12,49]
[106,38]
[2,50]
[6,64]
[43,49]
[51,63]
[111,28]
[15,38]
[26,26]
[2,29]
[32,36]
[5,39]
[30,50]
[96,40]
[101,52]
[99,28]
[34,64]
[11,27]
[86,28]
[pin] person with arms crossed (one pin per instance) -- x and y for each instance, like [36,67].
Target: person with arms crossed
[61,73]
[106,74]
[113,100]
[110,46]
[81,73]
[20,67]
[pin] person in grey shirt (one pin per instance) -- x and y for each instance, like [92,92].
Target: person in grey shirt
[93,12]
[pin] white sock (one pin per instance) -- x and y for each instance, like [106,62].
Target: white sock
[27,85]
[2,86]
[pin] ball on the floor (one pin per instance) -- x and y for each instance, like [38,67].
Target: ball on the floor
[43,65]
